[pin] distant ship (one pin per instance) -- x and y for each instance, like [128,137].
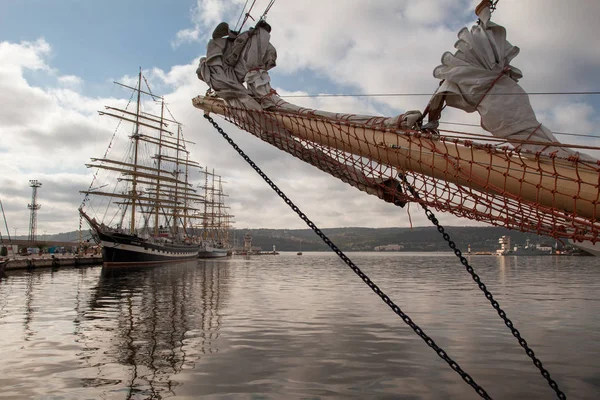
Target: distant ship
[149,203]
[528,250]
[216,220]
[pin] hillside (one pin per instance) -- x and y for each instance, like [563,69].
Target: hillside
[365,239]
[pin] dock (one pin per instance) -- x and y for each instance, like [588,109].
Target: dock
[52,261]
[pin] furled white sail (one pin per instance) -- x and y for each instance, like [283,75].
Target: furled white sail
[233,60]
[236,66]
[479,77]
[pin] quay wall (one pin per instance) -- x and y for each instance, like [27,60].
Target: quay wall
[52,261]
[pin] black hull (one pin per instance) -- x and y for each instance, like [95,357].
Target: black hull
[123,250]
[118,257]
[215,253]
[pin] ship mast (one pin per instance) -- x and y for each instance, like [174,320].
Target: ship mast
[160,137]
[155,190]
[186,211]
[212,206]
[219,230]
[176,177]
[135,161]
[204,219]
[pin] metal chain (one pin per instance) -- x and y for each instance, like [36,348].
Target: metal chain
[430,342]
[536,361]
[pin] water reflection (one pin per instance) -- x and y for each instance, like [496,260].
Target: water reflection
[147,325]
[28,333]
[299,327]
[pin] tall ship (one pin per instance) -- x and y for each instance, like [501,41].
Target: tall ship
[141,205]
[216,219]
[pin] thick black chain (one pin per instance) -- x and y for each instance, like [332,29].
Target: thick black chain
[430,342]
[536,361]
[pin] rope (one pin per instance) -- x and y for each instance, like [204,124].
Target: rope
[479,126]
[493,5]
[7,230]
[500,75]
[240,17]
[267,9]
[247,15]
[580,93]
[105,153]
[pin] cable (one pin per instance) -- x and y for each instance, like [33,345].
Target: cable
[554,132]
[247,15]
[590,93]
[240,17]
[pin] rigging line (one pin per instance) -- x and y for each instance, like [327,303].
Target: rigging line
[7,230]
[106,152]
[154,97]
[586,93]
[108,203]
[247,15]
[493,5]
[554,132]
[240,17]
[171,114]
[521,141]
[267,9]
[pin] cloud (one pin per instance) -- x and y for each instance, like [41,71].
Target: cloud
[71,81]
[49,131]
[26,55]
[46,134]
[206,13]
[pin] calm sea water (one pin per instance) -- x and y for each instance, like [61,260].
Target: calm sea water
[299,327]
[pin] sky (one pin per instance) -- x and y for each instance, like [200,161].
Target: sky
[59,58]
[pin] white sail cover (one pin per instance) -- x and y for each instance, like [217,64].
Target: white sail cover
[236,66]
[479,77]
[236,59]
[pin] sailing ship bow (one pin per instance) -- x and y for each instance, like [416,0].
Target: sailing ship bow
[519,178]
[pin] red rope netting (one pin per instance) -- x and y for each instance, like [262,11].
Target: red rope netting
[496,185]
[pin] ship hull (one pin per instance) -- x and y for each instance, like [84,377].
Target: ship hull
[529,253]
[212,253]
[124,250]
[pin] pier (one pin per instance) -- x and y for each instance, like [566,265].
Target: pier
[52,261]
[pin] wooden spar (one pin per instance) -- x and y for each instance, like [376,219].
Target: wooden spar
[188,162]
[553,183]
[162,185]
[131,197]
[133,121]
[136,174]
[149,117]
[165,143]
[109,161]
